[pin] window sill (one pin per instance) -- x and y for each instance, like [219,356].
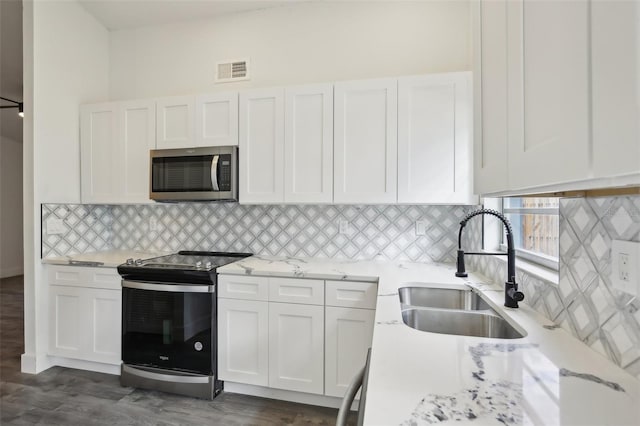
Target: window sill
[541,272]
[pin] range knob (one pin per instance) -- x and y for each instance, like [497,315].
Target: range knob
[208,265]
[138,262]
[198,264]
[130,261]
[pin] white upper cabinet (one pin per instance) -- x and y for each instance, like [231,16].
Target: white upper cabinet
[261,147]
[175,122]
[217,119]
[99,171]
[615,73]
[490,96]
[548,92]
[115,139]
[308,145]
[137,134]
[434,139]
[365,142]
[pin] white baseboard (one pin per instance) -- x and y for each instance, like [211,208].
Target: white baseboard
[34,364]
[285,395]
[79,364]
[11,272]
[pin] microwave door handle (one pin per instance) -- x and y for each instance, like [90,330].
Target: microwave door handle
[214,173]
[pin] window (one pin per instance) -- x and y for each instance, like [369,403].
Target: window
[535,223]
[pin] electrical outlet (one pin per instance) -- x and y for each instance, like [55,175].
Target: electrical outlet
[344,226]
[421,227]
[153,223]
[625,266]
[55,226]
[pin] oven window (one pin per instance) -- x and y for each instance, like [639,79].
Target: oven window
[168,330]
[182,174]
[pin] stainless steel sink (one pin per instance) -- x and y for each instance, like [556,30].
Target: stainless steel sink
[464,323]
[442,298]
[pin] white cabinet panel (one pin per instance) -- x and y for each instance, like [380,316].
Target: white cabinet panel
[548,92]
[490,97]
[106,330]
[296,347]
[243,336]
[434,139]
[115,140]
[261,146]
[296,290]
[348,337]
[217,119]
[137,136]
[67,322]
[100,171]
[243,287]
[615,73]
[308,149]
[365,140]
[351,294]
[175,122]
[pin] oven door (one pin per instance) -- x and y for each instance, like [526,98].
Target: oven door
[169,326]
[194,174]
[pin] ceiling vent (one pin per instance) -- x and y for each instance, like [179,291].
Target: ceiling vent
[232,70]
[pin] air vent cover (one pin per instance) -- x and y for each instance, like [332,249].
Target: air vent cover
[232,70]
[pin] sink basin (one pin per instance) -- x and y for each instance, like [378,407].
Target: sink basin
[463,323]
[442,298]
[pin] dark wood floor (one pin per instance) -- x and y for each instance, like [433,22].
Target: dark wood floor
[63,396]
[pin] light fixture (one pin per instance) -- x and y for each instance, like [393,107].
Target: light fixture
[18,105]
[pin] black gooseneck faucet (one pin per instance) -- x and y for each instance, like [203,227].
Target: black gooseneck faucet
[511,294]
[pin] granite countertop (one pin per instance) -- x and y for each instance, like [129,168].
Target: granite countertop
[416,378]
[107,258]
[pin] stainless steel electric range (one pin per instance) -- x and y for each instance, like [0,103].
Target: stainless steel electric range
[169,321]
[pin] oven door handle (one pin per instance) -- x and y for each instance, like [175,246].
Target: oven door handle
[174,288]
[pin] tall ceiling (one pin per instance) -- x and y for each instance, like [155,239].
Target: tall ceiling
[10,66]
[121,14]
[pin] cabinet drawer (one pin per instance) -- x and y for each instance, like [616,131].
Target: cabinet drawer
[351,294]
[294,290]
[106,278]
[243,287]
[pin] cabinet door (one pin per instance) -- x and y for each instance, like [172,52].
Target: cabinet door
[217,119]
[434,139]
[308,146]
[104,320]
[490,97]
[68,331]
[243,341]
[137,136]
[365,138]
[615,73]
[99,161]
[174,122]
[348,337]
[548,92]
[296,347]
[261,146]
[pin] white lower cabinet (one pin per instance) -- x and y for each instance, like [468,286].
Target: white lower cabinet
[243,341]
[288,337]
[85,320]
[348,334]
[296,347]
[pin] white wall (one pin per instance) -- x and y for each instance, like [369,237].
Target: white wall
[66,62]
[300,43]
[11,257]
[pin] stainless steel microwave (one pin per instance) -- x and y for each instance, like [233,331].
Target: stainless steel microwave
[194,174]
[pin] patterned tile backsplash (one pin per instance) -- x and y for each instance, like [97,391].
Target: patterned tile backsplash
[386,232]
[584,301]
